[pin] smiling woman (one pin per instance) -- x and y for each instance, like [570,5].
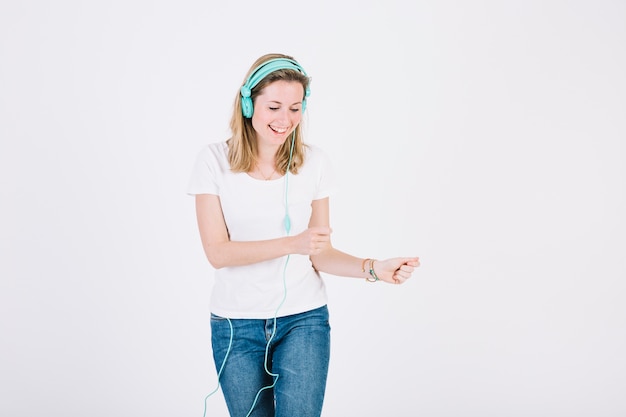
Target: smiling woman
[262,205]
[243,148]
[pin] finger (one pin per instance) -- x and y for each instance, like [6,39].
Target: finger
[321,230]
[403,274]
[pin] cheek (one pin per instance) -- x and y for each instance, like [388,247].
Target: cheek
[296,117]
[258,120]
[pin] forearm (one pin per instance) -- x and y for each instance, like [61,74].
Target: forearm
[392,270]
[229,253]
[335,262]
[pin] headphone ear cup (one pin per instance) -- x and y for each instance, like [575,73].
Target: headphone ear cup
[307,93]
[246,107]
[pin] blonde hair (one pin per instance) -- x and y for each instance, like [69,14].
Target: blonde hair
[242,146]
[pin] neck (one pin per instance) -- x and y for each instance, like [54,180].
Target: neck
[264,167]
[266,155]
[266,159]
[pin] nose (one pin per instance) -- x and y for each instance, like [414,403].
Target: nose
[286,116]
[283,114]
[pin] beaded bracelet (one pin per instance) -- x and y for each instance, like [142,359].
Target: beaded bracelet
[373,277]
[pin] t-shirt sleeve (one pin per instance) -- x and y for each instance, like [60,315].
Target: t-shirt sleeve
[203,178]
[326,175]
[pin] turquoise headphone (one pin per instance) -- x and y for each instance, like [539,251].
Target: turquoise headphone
[262,71]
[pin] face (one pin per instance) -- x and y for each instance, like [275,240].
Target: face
[277,112]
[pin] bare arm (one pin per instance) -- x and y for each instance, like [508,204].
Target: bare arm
[335,262]
[222,252]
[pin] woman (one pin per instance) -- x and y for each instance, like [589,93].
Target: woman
[262,204]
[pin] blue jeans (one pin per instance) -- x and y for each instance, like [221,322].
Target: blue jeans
[299,353]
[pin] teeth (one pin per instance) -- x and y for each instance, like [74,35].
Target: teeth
[279,129]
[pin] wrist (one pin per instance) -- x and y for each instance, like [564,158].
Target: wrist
[290,245]
[367,267]
[364,267]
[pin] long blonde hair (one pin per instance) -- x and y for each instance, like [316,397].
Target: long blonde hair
[242,146]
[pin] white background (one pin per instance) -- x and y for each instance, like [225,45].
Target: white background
[487,137]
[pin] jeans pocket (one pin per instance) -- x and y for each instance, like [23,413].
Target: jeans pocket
[217,318]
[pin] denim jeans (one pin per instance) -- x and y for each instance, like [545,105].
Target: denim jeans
[299,353]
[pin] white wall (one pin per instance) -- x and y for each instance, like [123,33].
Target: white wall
[486,137]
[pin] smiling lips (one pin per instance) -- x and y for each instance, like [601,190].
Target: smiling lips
[279,130]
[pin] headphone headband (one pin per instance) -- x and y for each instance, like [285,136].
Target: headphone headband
[259,74]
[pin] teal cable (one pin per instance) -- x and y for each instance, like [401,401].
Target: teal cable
[288,230]
[219,374]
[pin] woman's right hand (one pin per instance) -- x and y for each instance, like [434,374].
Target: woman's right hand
[312,241]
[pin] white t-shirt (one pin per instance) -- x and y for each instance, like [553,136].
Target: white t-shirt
[255,210]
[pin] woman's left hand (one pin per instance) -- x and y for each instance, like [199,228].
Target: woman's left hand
[395,270]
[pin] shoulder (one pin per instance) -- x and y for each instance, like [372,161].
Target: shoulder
[319,169]
[209,169]
[316,155]
[217,150]
[213,158]
[318,164]
[214,155]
